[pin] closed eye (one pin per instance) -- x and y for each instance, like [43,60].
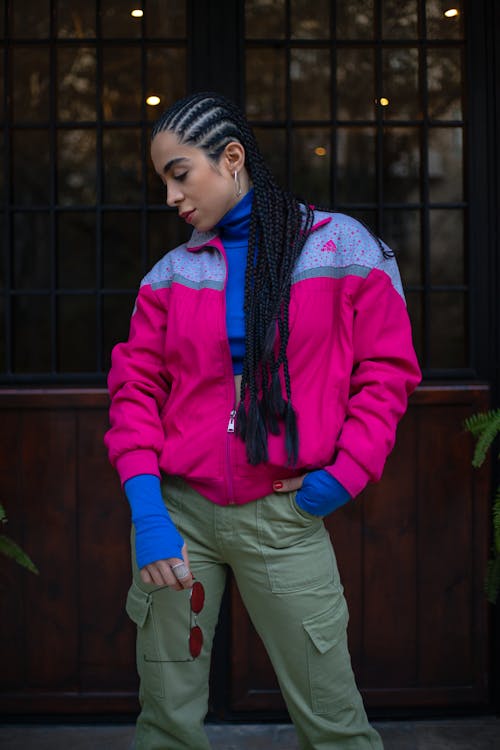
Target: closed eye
[180,177]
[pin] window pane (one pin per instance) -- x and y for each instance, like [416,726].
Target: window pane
[116,313]
[447,328]
[272,143]
[265,84]
[117,21]
[165,231]
[366,217]
[310,84]
[311,164]
[414,301]
[310,21]
[441,26]
[264,19]
[399,19]
[76,341]
[75,18]
[164,21]
[3,254]
[445,165]
[31,251]
[444,83]
[401,162]
[30,95]
[31,339]
[31,170]
[76,151]
[356,165]
[166,77]
[401,231]
[30,20]
[447,246]
[400,83]
[121,90]
[76,250]
[76,90]
[121,242]
[122,166]
[2,108]
[355,84]
[355,20]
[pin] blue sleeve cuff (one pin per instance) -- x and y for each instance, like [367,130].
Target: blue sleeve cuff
[321,493]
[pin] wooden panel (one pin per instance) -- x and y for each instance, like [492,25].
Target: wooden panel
[411,552]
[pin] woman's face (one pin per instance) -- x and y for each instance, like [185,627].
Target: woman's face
[201,190]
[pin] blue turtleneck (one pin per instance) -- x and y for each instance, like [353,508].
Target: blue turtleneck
[233,229]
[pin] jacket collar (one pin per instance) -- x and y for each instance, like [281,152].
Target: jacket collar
[199,240]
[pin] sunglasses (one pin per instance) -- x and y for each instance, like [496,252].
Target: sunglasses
[196,600]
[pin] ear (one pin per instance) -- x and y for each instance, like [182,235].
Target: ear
[233,156]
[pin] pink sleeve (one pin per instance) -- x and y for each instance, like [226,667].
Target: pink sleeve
[138,390]
[385,373]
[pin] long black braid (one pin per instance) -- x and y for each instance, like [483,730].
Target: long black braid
[279,226]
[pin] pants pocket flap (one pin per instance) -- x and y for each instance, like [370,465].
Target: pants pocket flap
[325,629]
[138,605]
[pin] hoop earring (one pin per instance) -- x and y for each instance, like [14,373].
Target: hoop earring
[237,185]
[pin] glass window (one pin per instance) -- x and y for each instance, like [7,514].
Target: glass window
[310,84]
[399,19]
[355,20]
[402,232]
[444,83]
[355,84]
[76,250]
[400,83]
[122,86]
[265,19]
[31,258]
[121,242]
[311,158]
[356,177]
[166,19]
[76,316]
[30,20]
[122,173]
[445,165]
[30,94]
[76,162]
[265,84]
[75,19]
[31,167]
[31,340]
[401,160]
[76,85]
[441,25]
[305,25]
[117,19]
[165,78]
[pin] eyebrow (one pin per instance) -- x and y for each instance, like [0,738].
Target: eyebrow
[168,166]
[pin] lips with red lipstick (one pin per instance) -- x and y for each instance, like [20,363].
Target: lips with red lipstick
[187,215]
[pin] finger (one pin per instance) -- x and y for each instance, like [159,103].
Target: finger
[288,485]
[145,576]
[180,569]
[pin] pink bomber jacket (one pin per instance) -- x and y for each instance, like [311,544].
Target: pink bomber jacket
[351,358]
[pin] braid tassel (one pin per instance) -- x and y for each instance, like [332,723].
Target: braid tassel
[256,437]
[241,421]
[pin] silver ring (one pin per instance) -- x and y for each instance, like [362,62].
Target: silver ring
[180,570]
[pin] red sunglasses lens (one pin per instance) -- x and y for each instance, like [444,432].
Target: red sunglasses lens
[197,597]
[195,641]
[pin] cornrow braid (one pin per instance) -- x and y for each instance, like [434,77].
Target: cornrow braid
[279,226]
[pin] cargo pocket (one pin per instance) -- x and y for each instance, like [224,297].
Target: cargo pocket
[332,685]
[162,617]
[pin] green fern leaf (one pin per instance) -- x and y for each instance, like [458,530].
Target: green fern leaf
[484,427]
[12,550]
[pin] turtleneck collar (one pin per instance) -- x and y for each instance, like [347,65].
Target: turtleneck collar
[235,225]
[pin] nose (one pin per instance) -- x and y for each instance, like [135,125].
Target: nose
[173,195]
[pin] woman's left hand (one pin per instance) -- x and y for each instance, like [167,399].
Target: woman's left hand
[318,492]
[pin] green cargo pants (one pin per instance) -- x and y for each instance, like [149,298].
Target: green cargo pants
[285,569]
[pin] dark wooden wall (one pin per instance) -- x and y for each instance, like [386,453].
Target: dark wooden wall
[412,552]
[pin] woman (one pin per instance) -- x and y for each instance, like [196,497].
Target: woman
[268,363]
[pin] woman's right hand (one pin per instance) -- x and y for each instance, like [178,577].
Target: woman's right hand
[160,572]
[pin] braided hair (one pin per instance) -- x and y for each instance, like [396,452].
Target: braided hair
[279,226]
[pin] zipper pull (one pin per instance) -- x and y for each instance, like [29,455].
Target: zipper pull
[232,416]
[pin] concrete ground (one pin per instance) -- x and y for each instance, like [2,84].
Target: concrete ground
[481,733]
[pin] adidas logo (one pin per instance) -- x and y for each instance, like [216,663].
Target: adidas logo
[329,247]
